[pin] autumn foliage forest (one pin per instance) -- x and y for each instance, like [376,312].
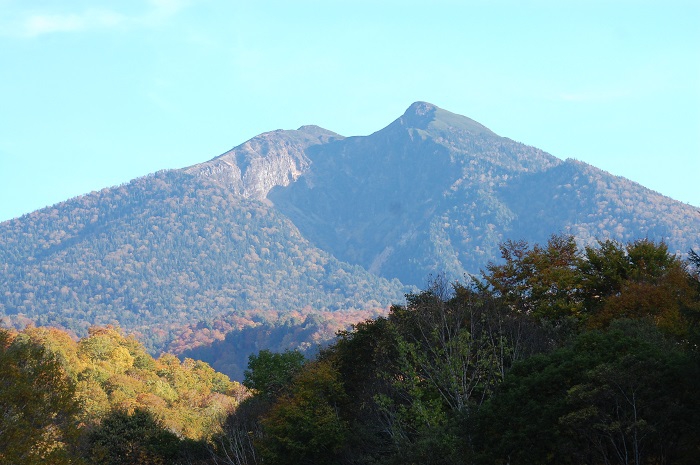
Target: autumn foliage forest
[554,355]
[162,251]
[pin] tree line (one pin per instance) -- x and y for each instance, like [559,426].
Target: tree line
[554,355]
[104,399]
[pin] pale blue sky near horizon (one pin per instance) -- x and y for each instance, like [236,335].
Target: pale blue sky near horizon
[94,93]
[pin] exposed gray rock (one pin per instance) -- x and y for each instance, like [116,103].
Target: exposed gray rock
[271,159]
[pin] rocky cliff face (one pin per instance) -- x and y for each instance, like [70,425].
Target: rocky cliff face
[271,159]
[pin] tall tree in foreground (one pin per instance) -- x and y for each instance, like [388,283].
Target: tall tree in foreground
[559,356]
[305,426]
[638,280]
[538,281]
[558,284]
[270,374]
[268,378]
[38,410]
[626,395]
[124,438]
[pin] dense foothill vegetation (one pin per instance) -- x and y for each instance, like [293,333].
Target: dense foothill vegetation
[555,355]
[305,330]
[104,399]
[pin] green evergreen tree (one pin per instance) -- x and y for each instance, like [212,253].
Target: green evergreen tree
[124,438]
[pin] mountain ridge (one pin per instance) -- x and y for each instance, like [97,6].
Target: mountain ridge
[267,160]
[430,160]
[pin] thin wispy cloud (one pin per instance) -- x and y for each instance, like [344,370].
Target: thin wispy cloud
[41,24]
[31,25]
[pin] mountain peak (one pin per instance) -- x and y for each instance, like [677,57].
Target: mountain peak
[317,131]
[426,116]
[419,115]
[421,108]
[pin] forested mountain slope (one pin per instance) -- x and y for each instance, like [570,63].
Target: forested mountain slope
[164,251]
[592,204]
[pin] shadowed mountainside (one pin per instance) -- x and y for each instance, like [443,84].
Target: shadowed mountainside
[437,192]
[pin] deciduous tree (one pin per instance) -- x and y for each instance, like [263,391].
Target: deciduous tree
[38,409]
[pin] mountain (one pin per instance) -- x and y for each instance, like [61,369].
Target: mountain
[437,192]
[309,219]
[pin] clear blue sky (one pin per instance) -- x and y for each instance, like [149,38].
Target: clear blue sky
[95,93]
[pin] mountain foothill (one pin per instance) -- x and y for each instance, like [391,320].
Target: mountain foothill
[293,224]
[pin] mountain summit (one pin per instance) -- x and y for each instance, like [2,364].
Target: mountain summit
[415,198]
[271,159]
[427,117]
[436,192]
[308,218]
